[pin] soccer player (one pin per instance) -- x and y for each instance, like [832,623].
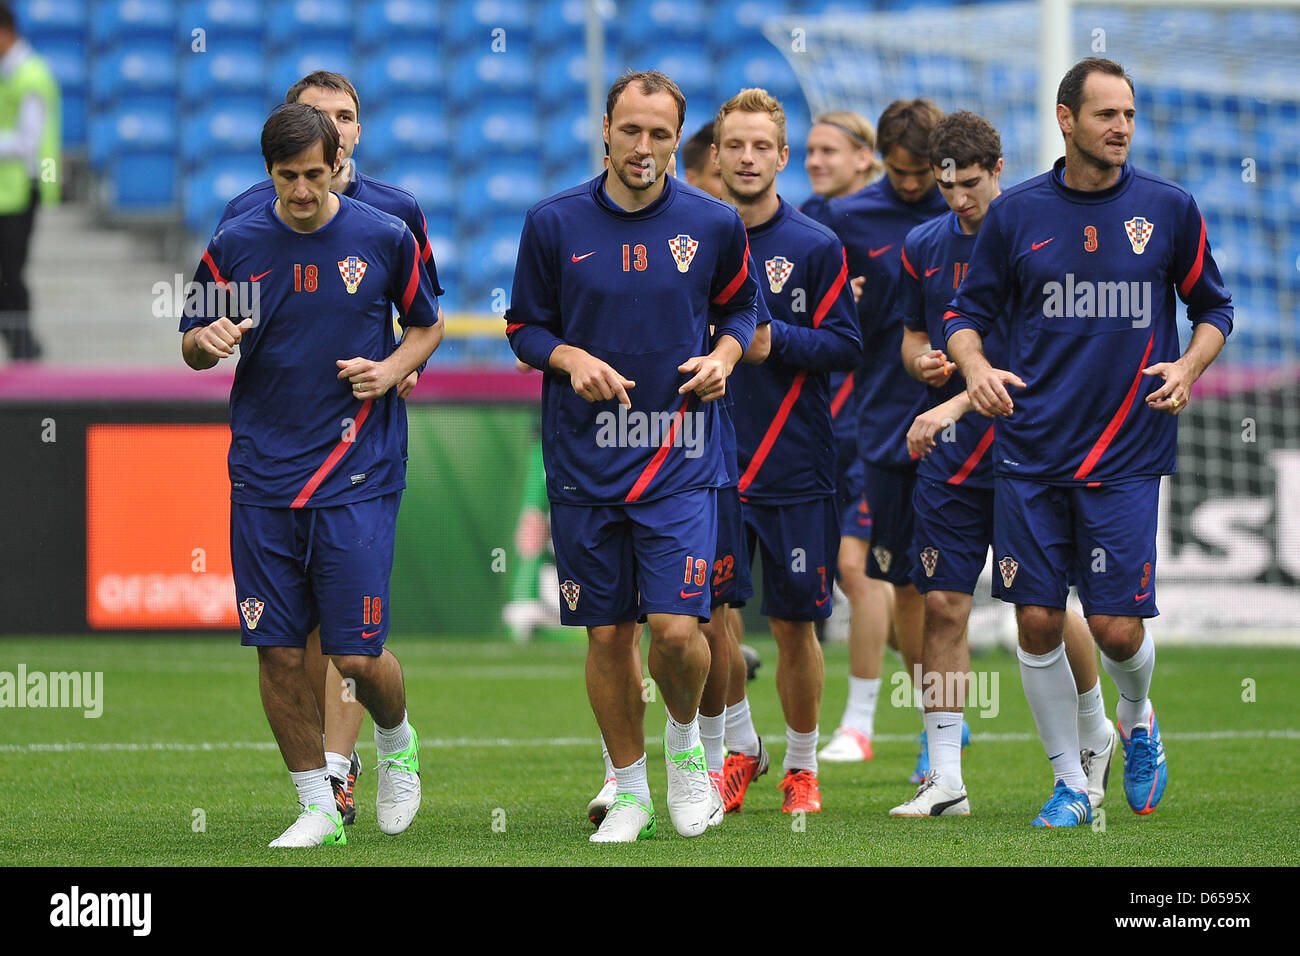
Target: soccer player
[872,224]
[783,432]
[617,283]
[333,94]
[953,498]
[316,464]
[697,162]
[840,159]
[1086,259]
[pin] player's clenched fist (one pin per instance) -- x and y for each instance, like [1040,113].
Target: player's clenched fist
[933,368]
[593,379]
[221,337]
[369,379]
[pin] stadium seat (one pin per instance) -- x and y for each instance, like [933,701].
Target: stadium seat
[226,23]
[564,78]
[237,69]
[681,61]
[428,178]
[405,67]
[470,26]
[566,175]
[140,183]
[40,20]
[226,124]
[74,119]
[141,124]
[499,125]
[740,18]
[299,24]
[751,66]
[678,20]
[113,21]
[408,127]
[474,76]
[380,22]
[501,184]
[136,66]
[561,25]
[288,67]
[209,187]
[66,57]
[566,134]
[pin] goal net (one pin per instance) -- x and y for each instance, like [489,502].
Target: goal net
[1218,111]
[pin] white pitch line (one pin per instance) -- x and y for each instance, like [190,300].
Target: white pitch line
[467,742]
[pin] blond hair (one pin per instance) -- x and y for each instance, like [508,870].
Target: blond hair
[858,129]
[753,100]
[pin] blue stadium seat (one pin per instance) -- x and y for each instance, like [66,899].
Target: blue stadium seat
[758,67]
[564,78]
[567,174]
[287,68]
[427,177]
[74,119]
[215,183]
[408,127]
[736,19]
[501,184]
[684,62]
[678,20]
[141,124]
[230,124]
[566,133]
[499,125]
[226,23]
[470,26]
[142,182]
[136,66]
[379,22]
[474,76]
[66,57]
[562,25]
[237,69]
[39,20]
[299,24]
[112,21]
[405,67]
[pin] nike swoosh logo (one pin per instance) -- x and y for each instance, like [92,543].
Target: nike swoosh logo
[823,600]
[1038,245]
[365,636]
[580,258]
[253,278]
[943,726]
[1142,597]
[683,593]
[873,253]
[930,272]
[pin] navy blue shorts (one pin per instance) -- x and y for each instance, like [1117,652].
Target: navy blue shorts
[890,492]
[619,562]
[852,506]
[799,543]
[1104,535]
[953,528]
[731,581]
[298,567]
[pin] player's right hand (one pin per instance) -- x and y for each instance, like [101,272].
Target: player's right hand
[596,380]
[988,394]
[934,368]
[221,337]
[857,283]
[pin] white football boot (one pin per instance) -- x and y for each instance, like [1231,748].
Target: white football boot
[1096,767]
[932,800]
[601,802]
[314,827]
[690,791]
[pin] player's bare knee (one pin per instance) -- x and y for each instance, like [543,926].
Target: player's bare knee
[674,634]
[281,661]
[609,638]
[945,611]
[1119,638]
[1041,628]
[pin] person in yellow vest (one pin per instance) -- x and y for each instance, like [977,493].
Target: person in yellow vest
[29,173]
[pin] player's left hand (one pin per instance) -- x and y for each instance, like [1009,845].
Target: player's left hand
[369,379]
[920,437]
[408,385]
[857,283]
[710,379]
[1171,397]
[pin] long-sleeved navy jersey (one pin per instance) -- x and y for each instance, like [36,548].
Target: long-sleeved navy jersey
[872,223]
[298,437]
[936,255]
[638,290]
[783,407]
[385,197]
[1088,280]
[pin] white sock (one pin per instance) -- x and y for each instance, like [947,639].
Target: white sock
[1094,728]
[337,765]
[943,738]
[633,780]
[393,740]
[711,733]
[860,711]
[681,737]
[800,750]
[1054,702]
[604,752]
[741,736]
[1133,679]
[313,789]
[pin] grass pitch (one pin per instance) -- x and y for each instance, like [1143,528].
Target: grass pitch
[181,768]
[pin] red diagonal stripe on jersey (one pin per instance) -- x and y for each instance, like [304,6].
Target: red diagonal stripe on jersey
[1109,434]
[514,327]
[652,469]
[950,314]
[908,266]
[335,456]
[725,295]
[969,464]
[842,396]
[832,293]
[427,251]
[413,283]
[1194,273]
[207,257]
[773,430]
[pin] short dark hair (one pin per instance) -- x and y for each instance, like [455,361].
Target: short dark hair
[326,80]
[295,127]
[966,139]
[651,82]
[1070,92]
[695,151]
[7,21]
[907,123]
